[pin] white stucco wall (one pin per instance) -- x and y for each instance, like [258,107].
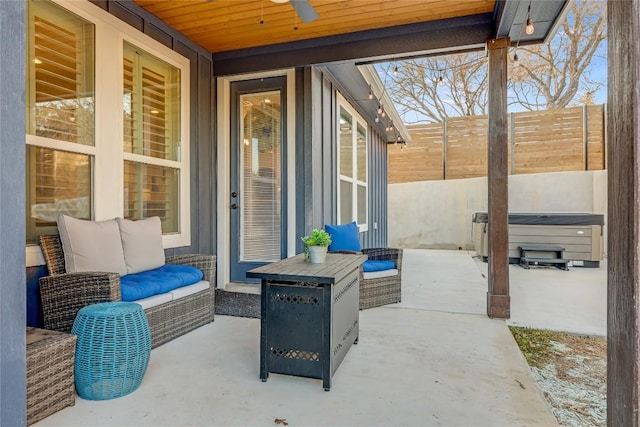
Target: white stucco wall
[437,214]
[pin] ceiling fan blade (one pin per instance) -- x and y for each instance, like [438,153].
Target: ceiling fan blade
[305,11]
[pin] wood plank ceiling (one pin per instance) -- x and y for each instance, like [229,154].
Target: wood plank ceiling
[225,25]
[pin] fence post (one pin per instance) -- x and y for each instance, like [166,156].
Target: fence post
[585,136]
[444,148]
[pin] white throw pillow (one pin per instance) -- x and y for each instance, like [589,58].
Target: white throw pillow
[142,244]
[91,245]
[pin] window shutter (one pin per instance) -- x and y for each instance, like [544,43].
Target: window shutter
[150,99]
[61,64]
[60,102]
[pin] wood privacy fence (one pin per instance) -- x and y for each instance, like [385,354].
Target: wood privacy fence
[568,139]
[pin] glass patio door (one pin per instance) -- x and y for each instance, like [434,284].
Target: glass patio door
[257,176]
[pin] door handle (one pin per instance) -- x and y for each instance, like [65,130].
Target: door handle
[234,206]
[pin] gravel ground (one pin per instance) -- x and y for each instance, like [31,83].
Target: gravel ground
[573,379]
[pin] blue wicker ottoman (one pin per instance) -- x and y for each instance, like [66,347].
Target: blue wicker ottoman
[112,351]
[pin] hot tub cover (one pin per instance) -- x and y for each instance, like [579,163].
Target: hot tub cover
[532,218]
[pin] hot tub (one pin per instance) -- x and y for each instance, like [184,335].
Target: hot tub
[580,234]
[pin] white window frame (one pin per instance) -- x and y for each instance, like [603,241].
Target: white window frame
[108,154]
[357,120]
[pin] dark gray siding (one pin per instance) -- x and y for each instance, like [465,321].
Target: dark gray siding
[316,145]
[377,235]
[12,215]
[202,150]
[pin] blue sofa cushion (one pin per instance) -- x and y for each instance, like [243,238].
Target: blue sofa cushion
[376,265]
[344,237]
[158,281]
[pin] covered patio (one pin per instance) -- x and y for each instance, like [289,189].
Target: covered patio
[490,26]
[434,359]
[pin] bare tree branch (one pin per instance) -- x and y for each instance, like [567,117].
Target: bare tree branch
[552,75]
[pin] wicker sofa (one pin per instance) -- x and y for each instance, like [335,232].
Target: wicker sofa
[64,294]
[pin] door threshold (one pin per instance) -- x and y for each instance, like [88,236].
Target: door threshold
[244,287]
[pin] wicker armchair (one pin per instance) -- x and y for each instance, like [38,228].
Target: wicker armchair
[376,289]
[384,290]
[64,294]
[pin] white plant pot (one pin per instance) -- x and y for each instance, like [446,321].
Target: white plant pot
[317,254]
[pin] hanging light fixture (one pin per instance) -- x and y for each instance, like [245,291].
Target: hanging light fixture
[370,92]
[395,71]
[380,109]
[529,29]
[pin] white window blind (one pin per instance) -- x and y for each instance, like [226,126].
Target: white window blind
[261,177]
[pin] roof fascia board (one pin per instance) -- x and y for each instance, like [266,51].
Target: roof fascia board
[372,77]
[511,15]
[332,71]
[505,17]
[562,16]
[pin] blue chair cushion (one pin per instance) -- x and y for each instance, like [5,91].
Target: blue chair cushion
[158,281]
[376,265]
[344,237]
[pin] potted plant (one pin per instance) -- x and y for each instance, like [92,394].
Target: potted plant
[315,246]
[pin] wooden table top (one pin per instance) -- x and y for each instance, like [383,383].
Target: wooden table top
[297,270]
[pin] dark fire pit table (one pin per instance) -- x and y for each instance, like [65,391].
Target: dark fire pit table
[309,315]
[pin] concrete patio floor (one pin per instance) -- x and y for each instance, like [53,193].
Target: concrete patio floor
[433,360]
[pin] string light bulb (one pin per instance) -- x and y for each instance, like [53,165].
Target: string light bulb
[529,29]
[383,114]
[395,71]
[380,109]
[370,92]
[515,58]
[440,80]
[377,119]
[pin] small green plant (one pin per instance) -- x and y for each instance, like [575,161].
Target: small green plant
[535,344]
[317,238]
